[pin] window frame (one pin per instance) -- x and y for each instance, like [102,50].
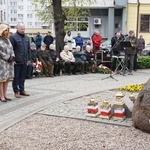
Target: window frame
[144,22]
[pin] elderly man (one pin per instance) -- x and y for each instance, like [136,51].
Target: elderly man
[56,59]
[130,51]
[21,47]
[69,60]
[80,58]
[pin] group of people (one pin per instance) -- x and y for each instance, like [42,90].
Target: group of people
[52,62]
[38,40]
[19,58]
[130,53]
[94,41]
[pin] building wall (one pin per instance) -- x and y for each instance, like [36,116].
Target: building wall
[133,22]
[109,24]
[131,17]
[100,9]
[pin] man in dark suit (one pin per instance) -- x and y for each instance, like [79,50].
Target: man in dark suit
[21,47]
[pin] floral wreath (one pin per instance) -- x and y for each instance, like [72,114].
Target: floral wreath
[104,69]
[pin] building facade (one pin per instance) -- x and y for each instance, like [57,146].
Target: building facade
[138,18]
[14,11]
[107,16]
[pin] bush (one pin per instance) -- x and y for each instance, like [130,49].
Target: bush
[144,62]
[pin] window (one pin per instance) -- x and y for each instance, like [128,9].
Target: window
[29,7]
[20,15]
[37,24]
[4,15]
[20,7]
[145,23]
[78,24]
[29,23]
[1,15]
[29,15]
[13,19]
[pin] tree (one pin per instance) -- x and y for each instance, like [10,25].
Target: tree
[59,22]
[52,10]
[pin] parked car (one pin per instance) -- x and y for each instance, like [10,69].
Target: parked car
[106,45]
[146,51]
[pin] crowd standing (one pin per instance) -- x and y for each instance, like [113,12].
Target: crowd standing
[21,59]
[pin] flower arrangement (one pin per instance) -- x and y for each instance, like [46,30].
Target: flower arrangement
[131,87]
[104,69]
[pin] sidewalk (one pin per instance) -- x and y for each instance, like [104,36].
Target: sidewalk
[42,120]
[46,92]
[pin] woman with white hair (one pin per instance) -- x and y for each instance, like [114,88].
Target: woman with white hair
[96,39]
[6,62]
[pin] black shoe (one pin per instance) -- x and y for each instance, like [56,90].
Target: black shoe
[4,100]
[8,99]
[28,77]
[74,73]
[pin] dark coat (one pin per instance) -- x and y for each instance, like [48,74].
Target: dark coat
[141,43]
[134,44]
[89,55]
[33,55]
[48,40]
[54,55]
[115,44]
[44,56]
[38,40]
[21,47]
[79,56]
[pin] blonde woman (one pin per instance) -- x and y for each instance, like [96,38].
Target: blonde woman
[6,62]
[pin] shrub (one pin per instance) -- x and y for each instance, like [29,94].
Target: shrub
[144,62]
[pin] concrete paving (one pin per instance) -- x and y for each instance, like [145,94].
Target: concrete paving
[59,93]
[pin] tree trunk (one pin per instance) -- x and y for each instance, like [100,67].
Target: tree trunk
[59,21]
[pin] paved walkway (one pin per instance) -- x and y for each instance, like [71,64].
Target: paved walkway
[48,92]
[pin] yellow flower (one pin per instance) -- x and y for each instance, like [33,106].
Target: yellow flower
[131,87]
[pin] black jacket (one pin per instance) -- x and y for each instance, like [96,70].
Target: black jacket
[48,40]
[33,55]
[115,44]
[89,55]
[21,47]
[54,55]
